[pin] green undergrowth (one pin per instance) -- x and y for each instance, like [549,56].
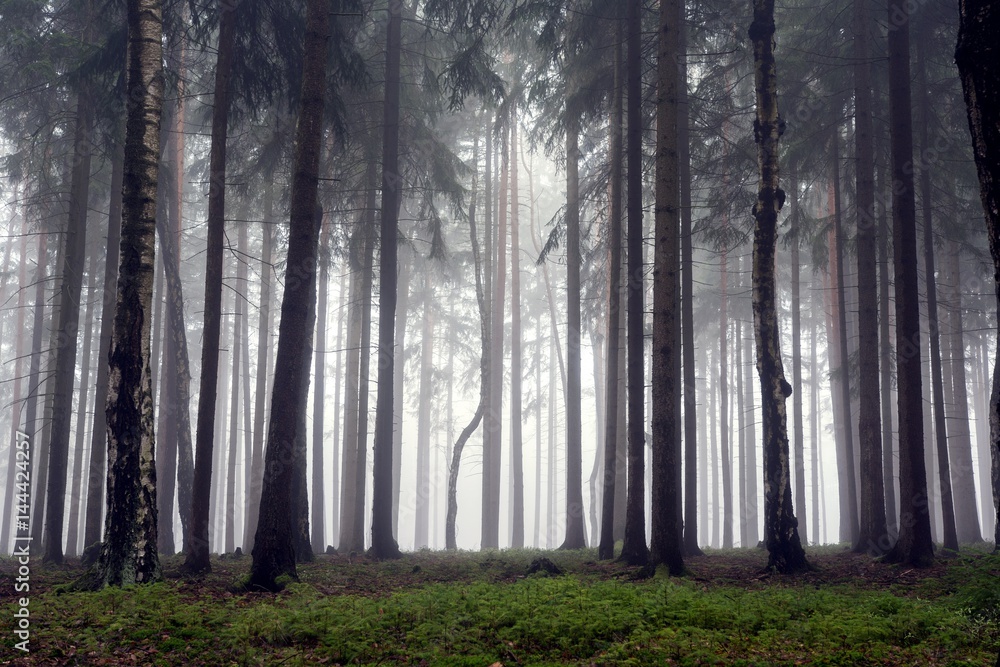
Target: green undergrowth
[483,609]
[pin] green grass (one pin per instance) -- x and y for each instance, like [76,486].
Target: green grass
[480,609]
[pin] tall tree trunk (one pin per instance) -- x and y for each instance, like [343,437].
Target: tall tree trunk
[484,366]
[318,521]
[575,531]
[422,504]
[337,383]
[16,405]
[752,509]
[798,435]
[217,525]
[691,547]
[974,55]
[196,560]
[738,365]
[264,326]
[274,551]
[814,413]
[873,536]
[516,439]
[913,546]
[234,418]
[885,365]
[398,409]
[73,528]
[724,425]
[960,447]
[849,520]
[493,427]
[634,549]
[716,539]
[934,329]
[74,256]
[666,542]
[98,436]
[383,542]
[612,375]
[128,552]
[781,535]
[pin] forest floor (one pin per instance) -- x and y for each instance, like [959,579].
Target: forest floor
[486,610]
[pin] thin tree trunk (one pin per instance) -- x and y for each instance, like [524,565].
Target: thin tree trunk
[74,257]
[913,546]
[484,366]
[423,482]
[752,509]
[234,417]
[492,433]
[398,409]
[885,369]
[98,436]
[274,546]
[196,560]
[612,375]
[741,426]
[798,435]
[815,302]
[960,447]
[318,522]
[849,521]
[781,535]
[337,383]
[383,542]
[264,325]
[516,440]
[634,549]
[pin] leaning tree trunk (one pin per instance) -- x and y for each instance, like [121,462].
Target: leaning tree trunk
[873,537]
[484,365]
[128,552]
[383,542]
[274,549]
[634,549]
[913,546]
[665,544]
[196,560]
[975,56]
[781,535]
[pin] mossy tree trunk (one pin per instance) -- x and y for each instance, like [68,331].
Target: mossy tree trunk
[274,542]
[781,535]
[128,553]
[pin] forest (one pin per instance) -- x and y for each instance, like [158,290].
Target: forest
[499,332]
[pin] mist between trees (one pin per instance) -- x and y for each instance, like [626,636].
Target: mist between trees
[291,277]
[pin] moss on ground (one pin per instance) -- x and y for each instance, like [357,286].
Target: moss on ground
[483,608]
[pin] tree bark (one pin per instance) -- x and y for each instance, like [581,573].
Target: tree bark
[634,549]
[975,53]
[274,551]
[516,439]
[318,520]
[383,542]
[98,436]
[128,552]
[666,541]
[196,560]
[913,546]
[484,364]
[781,535]
[873,536]
[74,257]
[606,546]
